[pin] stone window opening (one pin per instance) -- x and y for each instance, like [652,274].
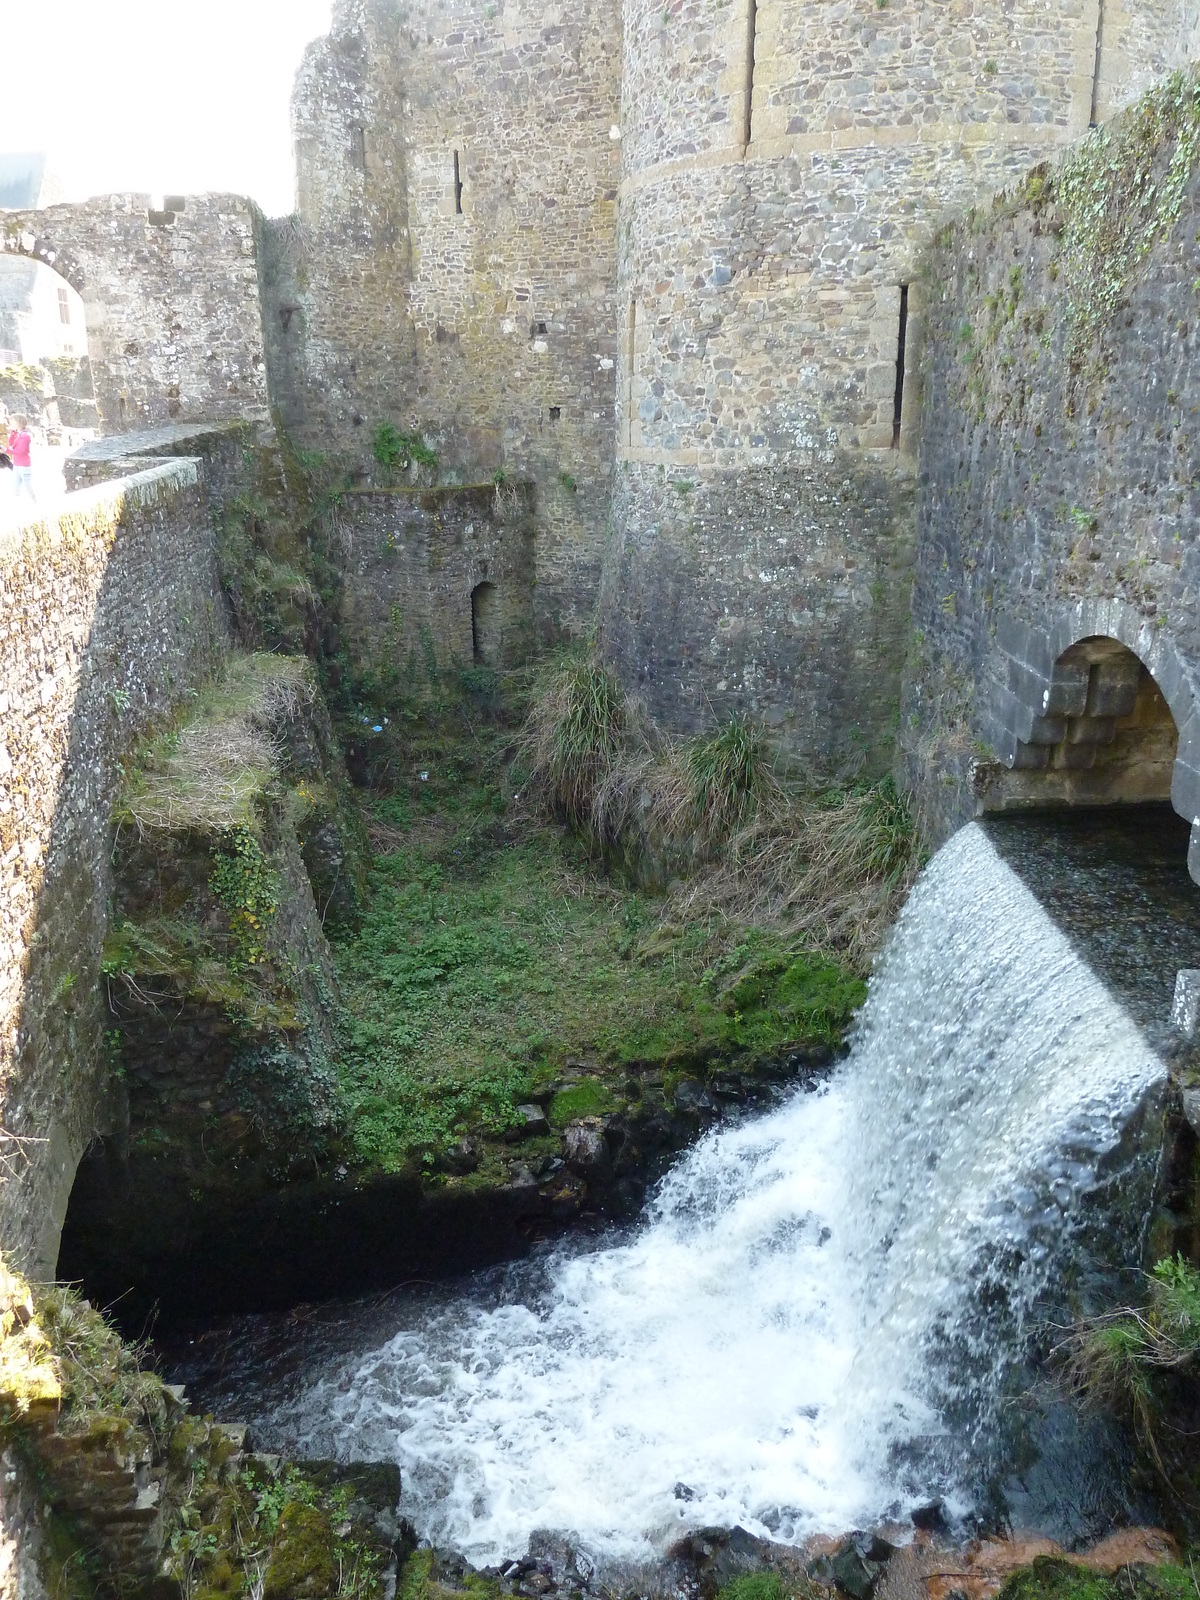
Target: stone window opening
[539,330]
[64,304]
[901,356]
[458,186]
[485,625]
[751,33]
[358,148]
[1094,113]
[555,413]
[630,364]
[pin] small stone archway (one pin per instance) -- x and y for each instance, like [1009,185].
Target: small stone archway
[487,633]
[1094,706]
[19,239]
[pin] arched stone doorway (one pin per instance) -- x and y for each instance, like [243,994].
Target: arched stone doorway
[1098,706]
[486,631]
[45,369]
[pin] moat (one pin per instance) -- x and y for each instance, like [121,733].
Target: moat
[832,1314]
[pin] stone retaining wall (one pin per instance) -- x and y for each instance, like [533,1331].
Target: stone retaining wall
[412,560]
[1059,503]
[109,611]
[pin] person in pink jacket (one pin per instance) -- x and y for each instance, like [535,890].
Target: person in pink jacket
[20,446]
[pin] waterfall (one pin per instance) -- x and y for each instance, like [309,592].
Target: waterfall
[819,1319]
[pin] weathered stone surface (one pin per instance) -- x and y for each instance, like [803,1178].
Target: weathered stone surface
[171,299]
[420,569]
[109,611]
[1056,639]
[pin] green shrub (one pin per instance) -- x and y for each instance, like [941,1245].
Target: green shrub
[728,771]
[576,727]
[1118,1359]
[395,450]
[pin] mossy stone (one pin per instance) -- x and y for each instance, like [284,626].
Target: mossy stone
[302,1563]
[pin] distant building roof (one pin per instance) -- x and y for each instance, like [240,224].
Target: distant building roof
[27,181]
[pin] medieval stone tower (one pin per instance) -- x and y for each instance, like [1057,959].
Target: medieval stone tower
[656,264]
[783,167]
[664,262]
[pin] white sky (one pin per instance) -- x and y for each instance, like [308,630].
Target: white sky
[158,96]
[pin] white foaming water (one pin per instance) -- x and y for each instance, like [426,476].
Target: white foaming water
[810,1292]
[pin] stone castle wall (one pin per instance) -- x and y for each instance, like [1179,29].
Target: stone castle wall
[1055,646]
[760,281]
[110,610]
[174,321]
[478,309]
[413,559]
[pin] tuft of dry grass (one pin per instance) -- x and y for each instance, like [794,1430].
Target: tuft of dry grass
[206,773]
[833,869]
[736,844]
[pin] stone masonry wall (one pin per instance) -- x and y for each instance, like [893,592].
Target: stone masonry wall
[411,561]
[482,316]
[171,298]
[1059,497]
[724,608]
[110,610]
[761,271]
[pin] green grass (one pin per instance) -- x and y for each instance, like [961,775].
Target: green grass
[1052,1579]
[494,949]
[465,987]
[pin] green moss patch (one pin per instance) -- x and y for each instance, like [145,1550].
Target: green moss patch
[1052,1579]
[495,955]
[589,1098]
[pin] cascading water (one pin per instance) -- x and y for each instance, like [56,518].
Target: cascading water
[823,1315]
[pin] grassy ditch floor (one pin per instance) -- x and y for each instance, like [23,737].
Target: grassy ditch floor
[500,967]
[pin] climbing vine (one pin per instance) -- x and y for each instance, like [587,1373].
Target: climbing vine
[247,888]
[1118,193]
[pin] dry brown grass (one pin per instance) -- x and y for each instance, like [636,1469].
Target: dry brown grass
[833,870]
[206,773]
[710,818]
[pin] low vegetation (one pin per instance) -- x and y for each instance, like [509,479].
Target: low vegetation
[714,821]
[1054,1578]
[502,954]
[1124,1360]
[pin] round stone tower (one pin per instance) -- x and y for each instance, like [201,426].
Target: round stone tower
[783,165]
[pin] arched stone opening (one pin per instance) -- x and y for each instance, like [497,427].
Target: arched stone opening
[1111,739]
[45,368]
[1094,705]
[486,631]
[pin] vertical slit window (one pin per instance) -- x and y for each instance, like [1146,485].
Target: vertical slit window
[631,343]
[1094,117]
[358,148]
[458,187]
[901,352]
[64,305]
[751,31]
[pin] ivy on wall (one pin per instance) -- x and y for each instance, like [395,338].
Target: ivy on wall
[1118,193]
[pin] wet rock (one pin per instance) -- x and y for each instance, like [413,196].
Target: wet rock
[461,1158]
[713,1557]
[681,1491]
[855,1567]
[585,1146]
[531,1121]
[692,1095]
[930,1518]
[729,1089]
